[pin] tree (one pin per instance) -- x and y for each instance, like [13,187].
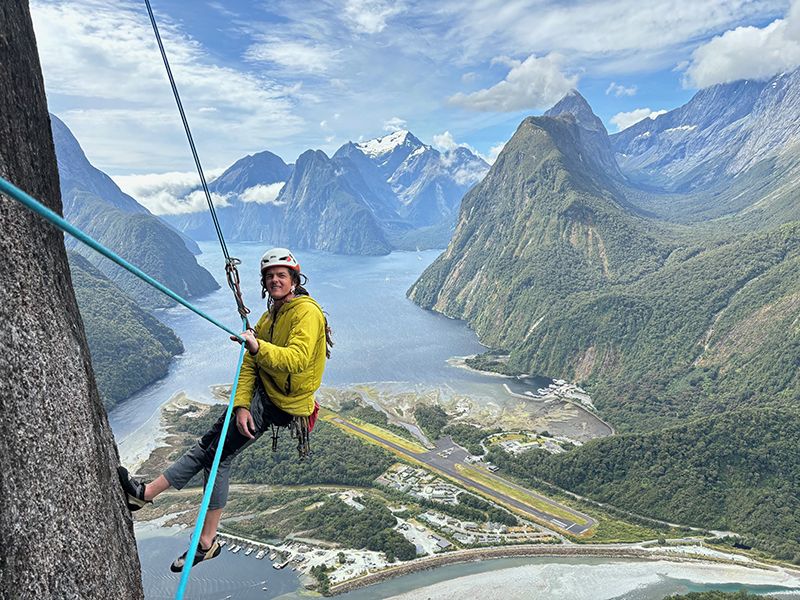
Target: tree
[64,529]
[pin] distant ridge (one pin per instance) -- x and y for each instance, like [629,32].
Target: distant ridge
[410,190]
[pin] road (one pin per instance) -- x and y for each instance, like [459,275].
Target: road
[447,455]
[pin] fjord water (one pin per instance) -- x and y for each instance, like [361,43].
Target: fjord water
[380,335]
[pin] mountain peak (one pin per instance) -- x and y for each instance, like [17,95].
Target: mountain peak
[383,145]
[576,105]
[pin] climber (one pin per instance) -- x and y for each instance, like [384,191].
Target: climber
[282,369]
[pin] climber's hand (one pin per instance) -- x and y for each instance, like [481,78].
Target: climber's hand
[245,423]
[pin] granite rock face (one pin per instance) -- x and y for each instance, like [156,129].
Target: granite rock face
[64,529]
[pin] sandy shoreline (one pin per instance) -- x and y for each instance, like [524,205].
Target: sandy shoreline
[598,582]
[462,556]
[138,446]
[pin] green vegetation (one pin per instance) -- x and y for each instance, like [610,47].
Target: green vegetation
[432,419]
[469,436]
[269,515]
[370,528]
[382,434]
[494,361]
[520,494]
[351,409]
[490,511]
[130,348]
[434,422]
[734,471]
[337,458]
[320,573]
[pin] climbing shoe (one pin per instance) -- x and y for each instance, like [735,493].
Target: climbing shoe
[134,489]
[199,556]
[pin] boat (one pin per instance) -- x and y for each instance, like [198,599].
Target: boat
[273,555]
[222,543]
[236,549]
[261,554]
[281,565]
[248,552]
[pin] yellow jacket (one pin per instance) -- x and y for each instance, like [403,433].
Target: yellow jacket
[290,358]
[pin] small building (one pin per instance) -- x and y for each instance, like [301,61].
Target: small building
[442,543]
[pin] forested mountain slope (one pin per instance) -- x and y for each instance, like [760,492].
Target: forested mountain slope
[677,307]
[94,203]
[735,471]
[545,223]
[662,321]
[130,348]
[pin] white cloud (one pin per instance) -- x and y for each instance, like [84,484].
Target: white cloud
[534,83]
[620,90]
[263,194]
[748,52]
[624,120]
[170,193]
[468,173]
[629,33]
[394,124]
[444,142]
[102,57]
[291,55]
[494,152]
[370,16]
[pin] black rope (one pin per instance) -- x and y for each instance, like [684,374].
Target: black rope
[231,272]
[188,132]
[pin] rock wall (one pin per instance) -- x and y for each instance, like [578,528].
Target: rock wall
[64,529]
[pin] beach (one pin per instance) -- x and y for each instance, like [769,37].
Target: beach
[603,581]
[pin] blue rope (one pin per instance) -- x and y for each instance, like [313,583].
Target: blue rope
[201,517]
[17,194]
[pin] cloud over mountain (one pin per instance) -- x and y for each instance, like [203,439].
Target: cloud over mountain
[532,83]
[748,52]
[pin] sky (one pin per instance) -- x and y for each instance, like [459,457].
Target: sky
[287,76]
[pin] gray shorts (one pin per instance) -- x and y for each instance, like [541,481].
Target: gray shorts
[201,456]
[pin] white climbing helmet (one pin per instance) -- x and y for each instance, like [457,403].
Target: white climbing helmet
[279,257]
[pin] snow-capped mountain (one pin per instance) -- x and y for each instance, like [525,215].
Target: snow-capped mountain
[391,191]
[428,184]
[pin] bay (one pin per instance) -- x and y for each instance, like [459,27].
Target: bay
[380,335]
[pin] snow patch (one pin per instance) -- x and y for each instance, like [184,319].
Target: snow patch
[680,128]
[383,145]
[417,152]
